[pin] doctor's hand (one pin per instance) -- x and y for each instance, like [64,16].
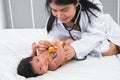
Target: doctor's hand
[69,50]
[60,56]
[43,45]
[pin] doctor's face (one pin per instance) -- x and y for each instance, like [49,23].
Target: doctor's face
[63,12]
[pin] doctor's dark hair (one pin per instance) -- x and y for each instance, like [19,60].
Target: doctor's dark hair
[86,6]
[25,68]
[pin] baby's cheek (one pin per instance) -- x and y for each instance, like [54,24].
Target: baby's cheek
[45,69]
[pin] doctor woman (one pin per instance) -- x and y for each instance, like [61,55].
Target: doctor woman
[97,33]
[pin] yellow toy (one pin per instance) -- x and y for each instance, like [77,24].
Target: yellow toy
[53,49]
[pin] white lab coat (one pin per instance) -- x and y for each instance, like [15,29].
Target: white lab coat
[92,39]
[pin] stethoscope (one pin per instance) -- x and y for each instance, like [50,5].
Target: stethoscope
[75,22]
[69,30]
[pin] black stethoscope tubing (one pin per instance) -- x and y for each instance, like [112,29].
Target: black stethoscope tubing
[69,30]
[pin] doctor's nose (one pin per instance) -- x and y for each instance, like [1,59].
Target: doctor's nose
[59,15]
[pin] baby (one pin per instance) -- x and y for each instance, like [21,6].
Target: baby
[39,64]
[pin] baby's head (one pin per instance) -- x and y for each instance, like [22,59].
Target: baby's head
[25,68]
[32,66]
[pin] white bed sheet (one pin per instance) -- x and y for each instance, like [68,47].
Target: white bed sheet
[16,44]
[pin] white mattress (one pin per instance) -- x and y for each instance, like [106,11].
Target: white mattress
[16,44]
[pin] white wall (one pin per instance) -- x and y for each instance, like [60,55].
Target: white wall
[119,12]
[111,7]
[22,16]
[2,15]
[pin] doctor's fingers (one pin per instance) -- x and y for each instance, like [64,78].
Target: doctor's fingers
[68,47]
[60,50]
[40,52]
[68,42]
[58,45]
[44,42]
[69,50]
[69,55]
[42,48]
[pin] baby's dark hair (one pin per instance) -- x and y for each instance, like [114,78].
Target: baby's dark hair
[25,68]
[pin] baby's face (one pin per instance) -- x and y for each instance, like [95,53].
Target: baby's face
[39,64]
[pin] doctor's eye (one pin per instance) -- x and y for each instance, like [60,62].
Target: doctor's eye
[65,9]
[53,10]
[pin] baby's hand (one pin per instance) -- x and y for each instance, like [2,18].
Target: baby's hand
[34,46]
[34,49]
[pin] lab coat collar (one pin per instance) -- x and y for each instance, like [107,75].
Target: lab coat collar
[58,22]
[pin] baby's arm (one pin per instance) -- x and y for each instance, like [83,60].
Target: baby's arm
[56,62]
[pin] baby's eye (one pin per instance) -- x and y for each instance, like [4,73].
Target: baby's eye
[38,60]
[40,68]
